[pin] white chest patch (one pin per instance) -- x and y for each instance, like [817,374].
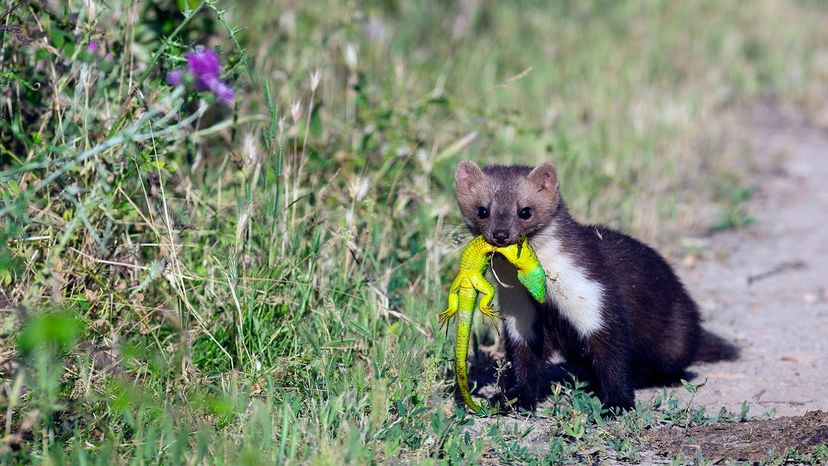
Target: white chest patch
[513,302]
[577,297]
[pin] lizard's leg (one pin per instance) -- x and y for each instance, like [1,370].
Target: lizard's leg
[487,292]
[453,302]
[448,314]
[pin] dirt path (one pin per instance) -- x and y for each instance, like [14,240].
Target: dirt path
[766,287]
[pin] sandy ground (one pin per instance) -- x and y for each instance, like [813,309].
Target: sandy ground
[765,287]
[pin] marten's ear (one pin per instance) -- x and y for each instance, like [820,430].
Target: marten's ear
[467,176]
[545,178]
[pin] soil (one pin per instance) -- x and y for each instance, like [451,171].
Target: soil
[763,287]
[753,441]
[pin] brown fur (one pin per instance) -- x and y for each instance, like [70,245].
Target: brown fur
[504,191]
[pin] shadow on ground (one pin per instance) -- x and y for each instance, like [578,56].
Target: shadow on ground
[491,379]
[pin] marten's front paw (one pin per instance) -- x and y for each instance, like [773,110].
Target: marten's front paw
[618,404]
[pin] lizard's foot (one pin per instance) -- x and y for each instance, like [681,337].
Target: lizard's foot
[446,316]
[493,315]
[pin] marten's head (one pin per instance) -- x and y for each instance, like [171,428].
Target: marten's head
[503,203]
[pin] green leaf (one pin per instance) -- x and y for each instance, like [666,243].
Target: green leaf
[57,38]
[60,329]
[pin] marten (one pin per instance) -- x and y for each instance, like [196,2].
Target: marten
[615,307]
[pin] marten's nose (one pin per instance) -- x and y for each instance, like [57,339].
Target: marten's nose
[500,236]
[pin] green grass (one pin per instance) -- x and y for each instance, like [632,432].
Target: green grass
[260,284]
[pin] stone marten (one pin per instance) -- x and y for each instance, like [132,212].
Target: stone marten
[615,306]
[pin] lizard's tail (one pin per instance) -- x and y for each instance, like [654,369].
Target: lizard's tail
[461,349]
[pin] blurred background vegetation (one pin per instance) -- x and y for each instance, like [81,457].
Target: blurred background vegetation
[187,282]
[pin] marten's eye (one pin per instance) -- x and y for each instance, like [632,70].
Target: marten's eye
[482,212]
[525,213]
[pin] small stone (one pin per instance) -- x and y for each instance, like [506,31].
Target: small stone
[810,297]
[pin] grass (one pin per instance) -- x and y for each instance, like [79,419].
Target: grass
[184,282]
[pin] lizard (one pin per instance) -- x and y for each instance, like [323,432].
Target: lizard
[470,282]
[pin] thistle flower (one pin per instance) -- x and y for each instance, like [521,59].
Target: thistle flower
[222,92]
[92,47]
[16,32]
[204,66]
[174,77]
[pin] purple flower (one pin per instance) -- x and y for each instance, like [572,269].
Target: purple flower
[222,92]
[205,66]
[92,47]
[16,31]
[174,77]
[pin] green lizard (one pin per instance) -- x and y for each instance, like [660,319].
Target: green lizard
[470,281]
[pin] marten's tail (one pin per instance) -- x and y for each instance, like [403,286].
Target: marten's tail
[714,348]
